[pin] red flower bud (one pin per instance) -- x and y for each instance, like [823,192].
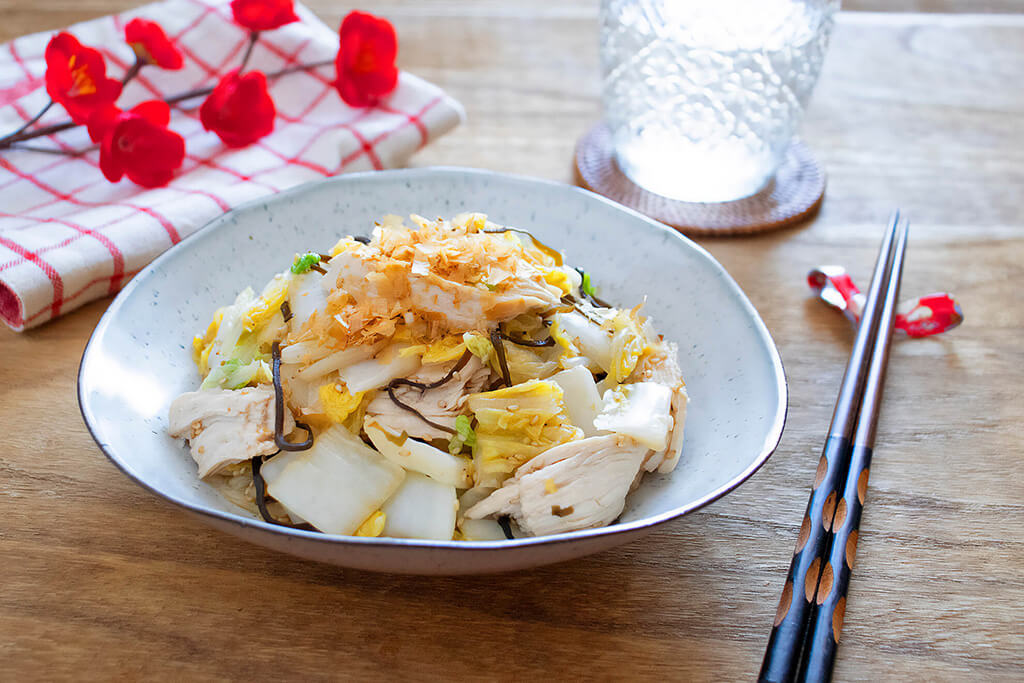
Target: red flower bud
[76,77]
[239,110]
[151,44]
[263,15]
[366,59]
[137,143]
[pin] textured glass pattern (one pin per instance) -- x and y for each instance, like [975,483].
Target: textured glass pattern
[703,97]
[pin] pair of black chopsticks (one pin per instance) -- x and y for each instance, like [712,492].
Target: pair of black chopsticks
[807,625]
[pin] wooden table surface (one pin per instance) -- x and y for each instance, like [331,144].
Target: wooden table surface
[101,580]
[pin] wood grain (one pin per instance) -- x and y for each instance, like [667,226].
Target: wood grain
[103,581]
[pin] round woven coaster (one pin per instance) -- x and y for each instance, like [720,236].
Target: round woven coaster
[794,194]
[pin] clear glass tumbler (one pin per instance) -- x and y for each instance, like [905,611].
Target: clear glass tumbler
[703,97]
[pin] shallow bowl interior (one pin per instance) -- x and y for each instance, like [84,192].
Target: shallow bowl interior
[139,357]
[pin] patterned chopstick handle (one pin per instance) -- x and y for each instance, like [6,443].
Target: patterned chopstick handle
[782,655]
[830,597]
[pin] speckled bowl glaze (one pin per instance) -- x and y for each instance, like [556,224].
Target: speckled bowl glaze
[139,357]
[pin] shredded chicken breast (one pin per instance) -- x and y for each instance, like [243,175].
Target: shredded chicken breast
[577,485]
[226,427]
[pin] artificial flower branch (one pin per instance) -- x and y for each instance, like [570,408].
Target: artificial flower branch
[132,72]
[53,150]
[139,143]
[253,37]
[23,134]
[28,124]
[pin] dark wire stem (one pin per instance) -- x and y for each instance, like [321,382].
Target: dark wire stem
[9,140]
[24,134]
[132,72]
[200,92]
[55,151]
[28,124]
[253,37]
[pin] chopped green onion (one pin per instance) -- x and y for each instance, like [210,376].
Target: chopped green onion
[587,287]
[479,346]
[305,262]
[231,374]
[464,429]
[464,435]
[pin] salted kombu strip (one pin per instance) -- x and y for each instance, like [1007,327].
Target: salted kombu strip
[528,342]
[499,349]
[279,408]
[402,381]
[406,406]
[506,526]
[551,253]
[597,301]
[261,496]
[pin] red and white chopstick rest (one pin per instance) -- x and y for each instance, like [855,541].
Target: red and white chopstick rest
[920,317]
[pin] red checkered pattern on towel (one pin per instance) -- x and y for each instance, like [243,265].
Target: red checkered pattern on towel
[67,236]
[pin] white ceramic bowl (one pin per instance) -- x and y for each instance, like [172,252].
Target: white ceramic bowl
[139,357]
